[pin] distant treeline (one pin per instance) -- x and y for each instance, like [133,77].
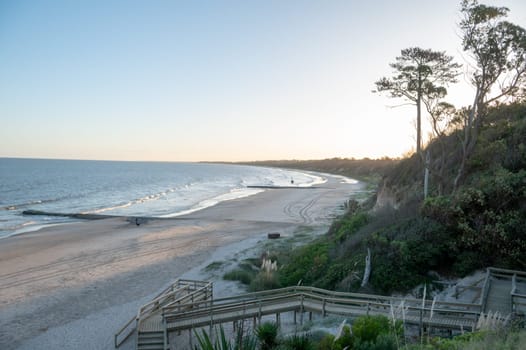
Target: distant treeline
[361,169]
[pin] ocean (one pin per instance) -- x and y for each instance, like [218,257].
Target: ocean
[152,189]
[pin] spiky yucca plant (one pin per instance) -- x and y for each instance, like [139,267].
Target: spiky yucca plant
[222,343]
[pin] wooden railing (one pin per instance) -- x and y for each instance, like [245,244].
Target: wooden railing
[517,297]
[188,304]
[485,290]
[309,299]
[178,290]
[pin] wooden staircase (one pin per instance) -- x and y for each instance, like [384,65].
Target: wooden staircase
[188,305]
[148,323]
[150,340]
[150,332]
[499,297]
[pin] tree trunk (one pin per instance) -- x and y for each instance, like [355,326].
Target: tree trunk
[367,271]
[418,123]
[426,174]
[470,136]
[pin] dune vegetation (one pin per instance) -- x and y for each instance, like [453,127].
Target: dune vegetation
[458,203]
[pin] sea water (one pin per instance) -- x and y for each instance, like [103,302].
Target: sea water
[152,189]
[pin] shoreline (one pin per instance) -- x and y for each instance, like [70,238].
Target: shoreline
[73,286]
[319,179]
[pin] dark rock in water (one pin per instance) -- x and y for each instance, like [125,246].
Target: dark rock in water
[274,235]
[68,215]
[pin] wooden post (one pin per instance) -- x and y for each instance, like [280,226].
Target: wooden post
[277,319]
[310,315]
[165,334]
[323,307]
[421,323]
[190,338]
[301,310]
[294,316]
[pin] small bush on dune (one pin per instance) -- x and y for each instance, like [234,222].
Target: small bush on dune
[307,264]
[344,340]
[326,343]
[240,275]
[509,340]
[264,281]
[267,334]
[298,342]
[382,342]
[368,328]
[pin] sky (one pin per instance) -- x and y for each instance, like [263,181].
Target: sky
[214,80]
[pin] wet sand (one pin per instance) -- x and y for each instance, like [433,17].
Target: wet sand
[73,286]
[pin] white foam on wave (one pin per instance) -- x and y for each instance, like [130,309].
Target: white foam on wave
[346,180]
[235,193]
[31,226]
[316,180]
[147,198]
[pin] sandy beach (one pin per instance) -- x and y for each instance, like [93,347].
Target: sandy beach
[73,286]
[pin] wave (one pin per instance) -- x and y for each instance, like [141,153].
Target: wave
[147,198]
[346,180]
[316,180]
[235,193]
[29,226]
[23,205]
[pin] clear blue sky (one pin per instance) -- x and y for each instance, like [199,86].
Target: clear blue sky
[212,80]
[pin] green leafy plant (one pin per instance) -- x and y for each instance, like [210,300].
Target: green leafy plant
[267,334]
[298,342]
[240,275]
[368,328]
[243,342]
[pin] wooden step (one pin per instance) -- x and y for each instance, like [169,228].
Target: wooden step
[150,347]
[150,341]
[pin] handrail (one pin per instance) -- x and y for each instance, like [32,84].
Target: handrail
[178,286]
[198,302]
[334,296]
[485,291]
[120,331]
[512,292]
[293,302]
[161,299]
[192,296]
[507,272]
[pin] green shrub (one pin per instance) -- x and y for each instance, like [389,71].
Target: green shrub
[368,328]
[267,334]
[326,343]
[345,340]
[509,340]
[307,264]
[349,225]
[382,342]
[240,275]
[264,281]
[222,343]
[298,342]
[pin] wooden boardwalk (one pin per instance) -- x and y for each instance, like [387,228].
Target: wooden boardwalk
[189,305]
[301,300]
[149,325]
[505,292]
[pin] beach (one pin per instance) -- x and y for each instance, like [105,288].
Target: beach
[74,285]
